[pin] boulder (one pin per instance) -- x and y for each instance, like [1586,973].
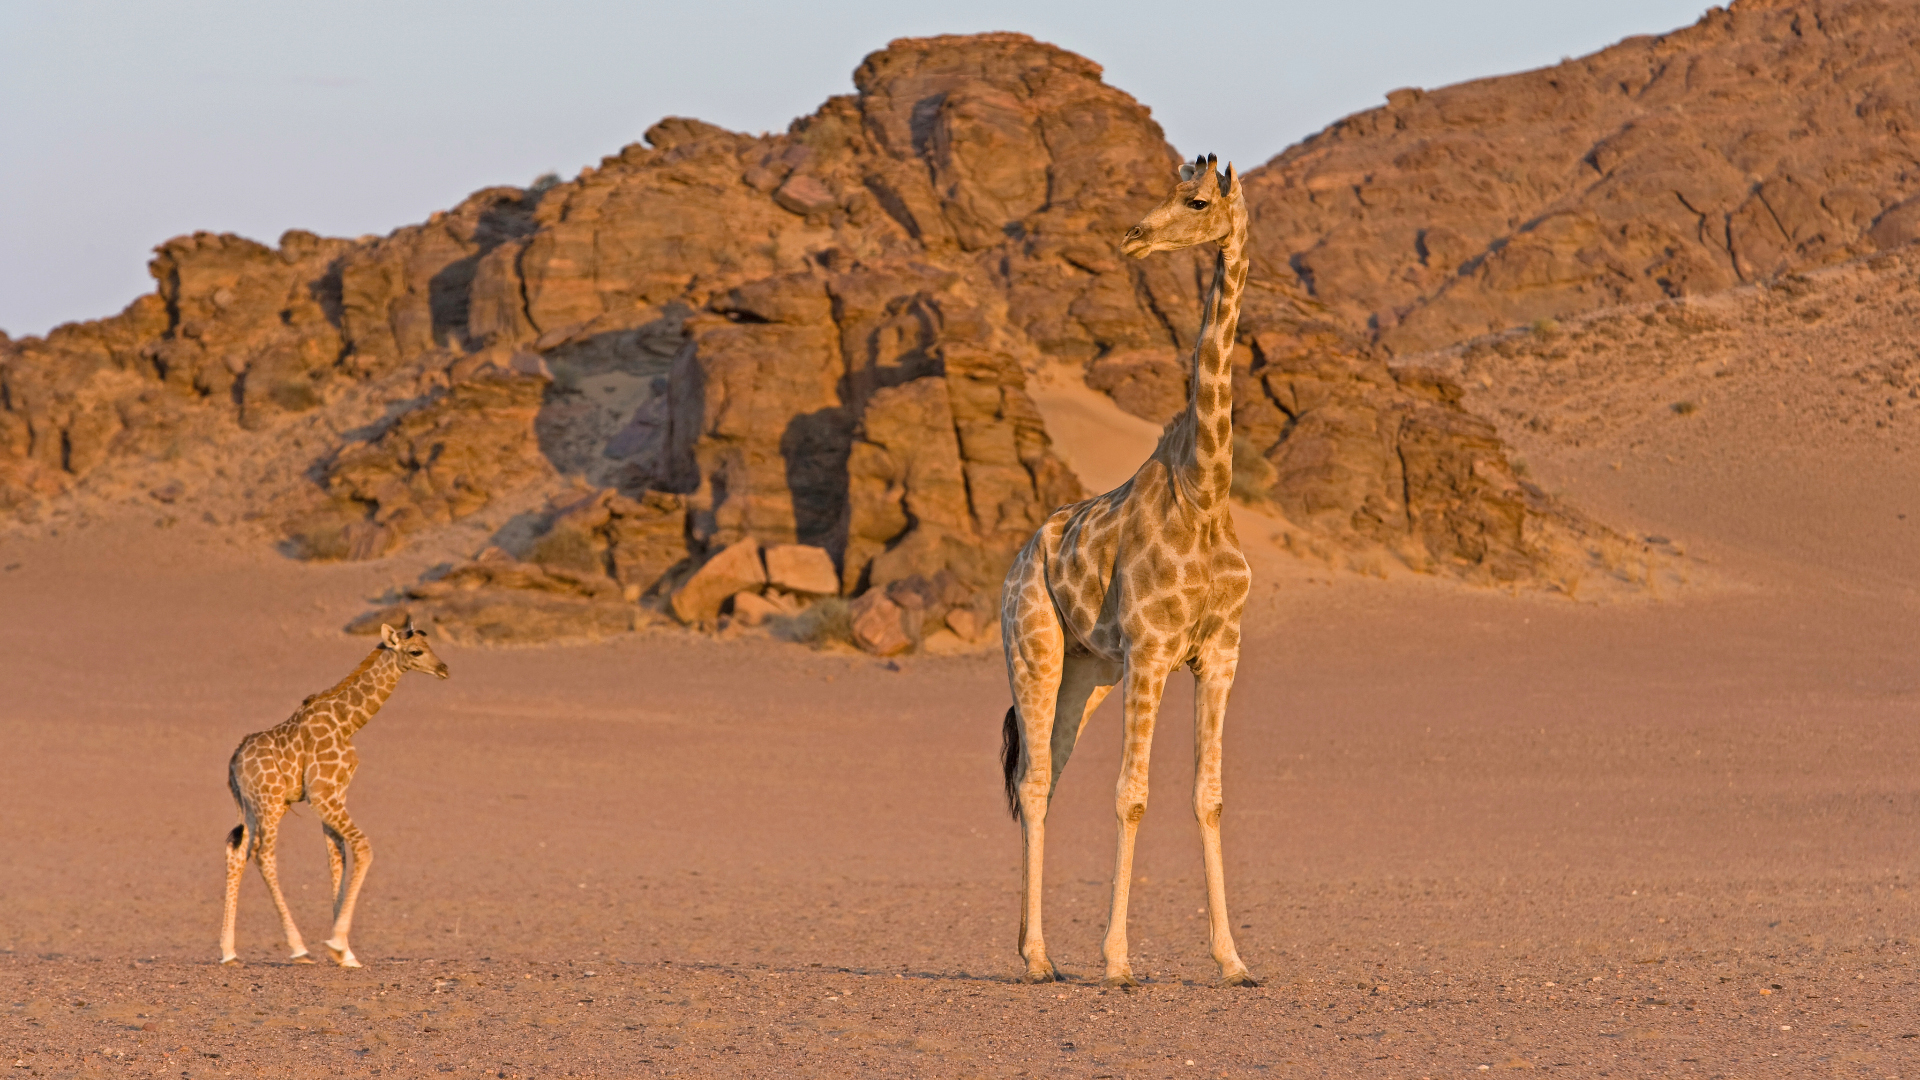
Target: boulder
[802,568]
[752,609]
[734,569]
[878,625]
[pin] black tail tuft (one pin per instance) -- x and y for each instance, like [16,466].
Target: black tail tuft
[1010,761]
[237,837]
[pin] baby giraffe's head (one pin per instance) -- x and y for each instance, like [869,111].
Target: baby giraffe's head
[1199,211]
[411,649]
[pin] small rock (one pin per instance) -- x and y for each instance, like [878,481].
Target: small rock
[752,609]
[877,625]
[802,568]
[962,622]
[734,570]
[803,194]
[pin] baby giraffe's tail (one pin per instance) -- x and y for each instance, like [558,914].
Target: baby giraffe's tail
[1010,748]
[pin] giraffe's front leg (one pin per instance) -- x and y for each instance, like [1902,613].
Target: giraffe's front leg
[333,812]
[1144,682]
[1214,680]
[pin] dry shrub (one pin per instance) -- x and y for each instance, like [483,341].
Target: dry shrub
[1253,474]
[825,622]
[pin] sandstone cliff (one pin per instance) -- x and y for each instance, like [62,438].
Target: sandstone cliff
[1772,136]
[820,338]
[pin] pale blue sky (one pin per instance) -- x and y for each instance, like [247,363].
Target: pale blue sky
[122,124]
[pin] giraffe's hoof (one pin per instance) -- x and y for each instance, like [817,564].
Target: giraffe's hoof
[1239,978]
[230,959]
[1042,974]
[301,957]
[342,955]
[1120,980]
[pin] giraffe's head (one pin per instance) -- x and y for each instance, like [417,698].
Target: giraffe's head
[1201,209]
[411,648]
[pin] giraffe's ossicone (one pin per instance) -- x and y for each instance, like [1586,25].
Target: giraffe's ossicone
[1124,588]
[310,756]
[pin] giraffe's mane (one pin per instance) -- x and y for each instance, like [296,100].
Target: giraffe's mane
[1175,451]
[352,676]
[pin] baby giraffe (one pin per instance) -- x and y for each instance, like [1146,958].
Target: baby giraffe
[310,756]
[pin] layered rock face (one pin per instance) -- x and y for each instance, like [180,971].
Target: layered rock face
[1772,136]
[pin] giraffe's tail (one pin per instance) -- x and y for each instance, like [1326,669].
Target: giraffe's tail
[241,838]
[1010,748]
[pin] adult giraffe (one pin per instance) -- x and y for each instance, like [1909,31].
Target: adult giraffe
[1124,588]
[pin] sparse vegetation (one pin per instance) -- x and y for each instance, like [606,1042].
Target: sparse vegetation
[1685,408]
[543,183]
[1253,474]
[825,622]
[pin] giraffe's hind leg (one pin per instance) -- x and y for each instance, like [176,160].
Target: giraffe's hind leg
[1035,648]
[264,851]
[237,842]
[336,863]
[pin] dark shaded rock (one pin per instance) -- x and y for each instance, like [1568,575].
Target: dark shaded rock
[434,465]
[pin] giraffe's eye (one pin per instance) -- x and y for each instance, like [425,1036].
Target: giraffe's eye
[1197,204]
[413,652]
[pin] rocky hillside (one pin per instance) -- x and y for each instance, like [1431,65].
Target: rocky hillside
[1773,136]
[817,339]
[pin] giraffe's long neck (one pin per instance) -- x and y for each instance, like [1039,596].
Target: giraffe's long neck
[358,696]
[1209,474]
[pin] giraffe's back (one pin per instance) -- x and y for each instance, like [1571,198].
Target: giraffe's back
[269,766]
[1142,566]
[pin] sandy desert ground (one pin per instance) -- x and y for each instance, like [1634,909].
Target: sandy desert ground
[1467,831]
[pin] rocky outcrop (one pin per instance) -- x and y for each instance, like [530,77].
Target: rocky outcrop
[498,600]
[823,337]
[1768,137]
[634,542]
[435,464]
[1366,461]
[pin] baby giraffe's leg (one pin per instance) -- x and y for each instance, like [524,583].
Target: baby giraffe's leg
[236,868]
[333,812]
[269,837]
[336,861]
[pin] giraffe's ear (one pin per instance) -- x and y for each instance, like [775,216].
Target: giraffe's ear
[1209,181]
[1186,172]
[1226,184]
[389,636]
